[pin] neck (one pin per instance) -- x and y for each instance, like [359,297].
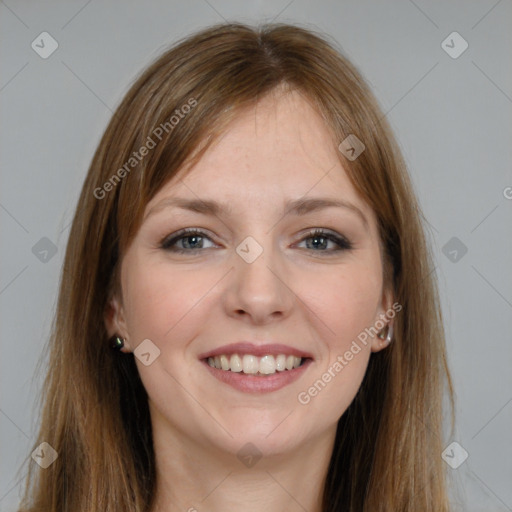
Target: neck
[192,477]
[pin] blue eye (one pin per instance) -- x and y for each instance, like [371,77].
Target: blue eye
[190,240]
[320,239]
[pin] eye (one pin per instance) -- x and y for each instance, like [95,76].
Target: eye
[185,240]
[320,239]
[192,239]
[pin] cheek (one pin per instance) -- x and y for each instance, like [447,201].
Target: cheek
[348,302]
[160,300]
[358,304]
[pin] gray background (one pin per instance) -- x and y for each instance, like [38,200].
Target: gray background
[451,117]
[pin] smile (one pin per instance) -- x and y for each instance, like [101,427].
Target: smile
[255,367]
[249,364]
[250,378]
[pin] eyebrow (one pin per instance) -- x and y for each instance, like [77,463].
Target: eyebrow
[301,206]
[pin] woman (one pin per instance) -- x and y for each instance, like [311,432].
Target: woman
[247,315]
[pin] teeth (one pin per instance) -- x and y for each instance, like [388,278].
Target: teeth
[252,365]
[235,363]
[281,363]
[267,365]
[224,362]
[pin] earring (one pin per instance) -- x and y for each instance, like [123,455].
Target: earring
[389,334]
[116,342]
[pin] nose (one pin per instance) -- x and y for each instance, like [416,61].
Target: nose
[258,292]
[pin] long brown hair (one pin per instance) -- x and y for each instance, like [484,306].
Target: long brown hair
[387,453]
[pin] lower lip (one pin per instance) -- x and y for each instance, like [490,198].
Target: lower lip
[255,384]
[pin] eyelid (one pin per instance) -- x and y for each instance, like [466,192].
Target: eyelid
[183,233]
[344,244]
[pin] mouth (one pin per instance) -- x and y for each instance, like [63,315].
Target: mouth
[256,368]
[250,364]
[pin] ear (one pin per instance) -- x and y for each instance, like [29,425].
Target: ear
[115,322]
[384,318]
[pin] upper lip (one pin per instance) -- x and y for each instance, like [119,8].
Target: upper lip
[259,350]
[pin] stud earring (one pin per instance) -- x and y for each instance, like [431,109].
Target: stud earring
[389,334]
[117,342]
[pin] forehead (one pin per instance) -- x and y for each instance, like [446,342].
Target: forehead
[279,147]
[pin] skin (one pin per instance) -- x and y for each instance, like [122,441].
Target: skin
[296,293]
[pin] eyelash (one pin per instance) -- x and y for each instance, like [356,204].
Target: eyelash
[167,244]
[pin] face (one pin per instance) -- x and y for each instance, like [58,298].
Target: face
[257,273]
